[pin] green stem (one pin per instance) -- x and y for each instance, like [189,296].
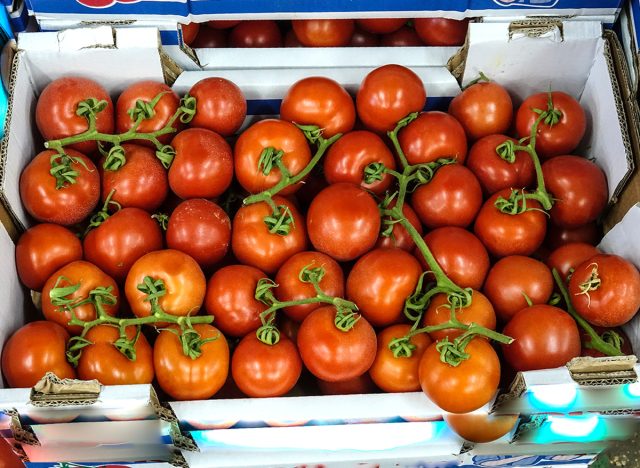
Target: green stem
[393,136]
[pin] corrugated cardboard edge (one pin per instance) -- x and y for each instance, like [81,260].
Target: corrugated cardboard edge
[178,460]
[620,453]
[51,391]
[21,434]
[528,424]
[589,371]
[516,390]
[182,441]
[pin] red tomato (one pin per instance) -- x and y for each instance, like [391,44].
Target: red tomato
[563,136]
[342,230]
[400,237]
[480,428]
[362,38]
[222,24]
[203,164]
[403,37]
[66,205]
[332,354]
[586,340]
[189,32]
[221,105]
[43,249]
[210,38]
[323,32]
[262,370]
[441,31]
[348,157]
[567,257]
[381,25]
[356,386]
[256,33]
[290,39]
[387,95]
[57,105]
[32,351]
[480,311]
[483,109]
[431,136]
[545,337]
[590,233]
[319,101]
[8,458]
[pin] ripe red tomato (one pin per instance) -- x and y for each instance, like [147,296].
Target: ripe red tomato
[441,31]
[563,136]
[567,257]
[480,428]
[221,105]
[262,370]
[319,101]
[269,133]
[403,37]
[342,230]
[398,374]
[431,136]
[348,157]
[57,105]
[223,24]
[362,38]
[332,354]
[400,237]
[323,32]
[616,298]
[290,39]
[203,164]
[183,378]
[32,351]
[210,38]
[483,109]
[356,386]
[256,33]
[387,95]
[381,25]
[189,32]
[545,337]
[66,205]
[590,233]
[466,387]
[9,458]
[43,249]
[380,282]
[480,311]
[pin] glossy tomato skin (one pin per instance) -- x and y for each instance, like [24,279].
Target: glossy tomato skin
[464,388]
[280,135]
[480,311]
[343,221]
[545,337]
[362,38]
[441,31]
[387,95]
[323,32]
[254,245]
[380,282]
[56,111]
[400,237]
[453,197]
[223,24]
[42,250]
[567,257]
[256,33]
[231,299]
[617,298]
[356,386]
[403,37]
[290,288]
[431,136]
[189,32]
[480,427]
[381,25]
[483,109]
[210,38]
[203,164]
[334,355]
[262,370]
[221,105]
[122,239]
[183,378]
[319,101]
[561,138]
[200,228]
[398,374]
[102,361]
[348,157]
[67,205]
[590,233]
[32,351]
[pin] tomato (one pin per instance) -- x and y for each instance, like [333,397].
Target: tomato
[66,205]
[590,233]
[262,370]
[400,237]
[468,266]
[586,340]
[348,157]
[43,249]
[579,188]
[466,387]
[511,278]
[223,24]
[387,95]
[431,136]
[231,299]
[183,280]
[8,458]
[342,230]
[319,101]
[323,32]
[201,229]
[189,32]
[32,351]
[332,354]
[505,234]
[403,37]
[163,110]
[288,327]
[203,164]
[398,374]
[56,111]
[359,385]
[220,105]
[493,172]
[183,378]
[270,133]
[563,136]
[480,311]
[483,109]
[290,288]
[290,39]
[362,38]
[480,428]
[210,38]
[88,277]
[142,182]
[381,25]
[615,299]
[254,245]
[380,282]
[567,257]
[121,240]
[441,31]
[545,337]
[256,33]
[453,197]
